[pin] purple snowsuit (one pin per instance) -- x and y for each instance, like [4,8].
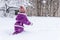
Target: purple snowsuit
[20,20]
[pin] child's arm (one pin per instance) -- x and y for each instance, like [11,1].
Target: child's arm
[26,21]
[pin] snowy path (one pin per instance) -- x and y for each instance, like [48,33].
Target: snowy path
[44,28]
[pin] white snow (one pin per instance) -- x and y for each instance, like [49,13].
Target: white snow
[15,3]
[43,28]
[2,4]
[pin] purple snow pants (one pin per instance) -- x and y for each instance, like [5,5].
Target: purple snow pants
[18,27]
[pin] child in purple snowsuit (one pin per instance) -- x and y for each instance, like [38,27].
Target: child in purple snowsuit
[20,20]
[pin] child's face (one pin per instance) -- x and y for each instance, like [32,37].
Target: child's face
[22,10]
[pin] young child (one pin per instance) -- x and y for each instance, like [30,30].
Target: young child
[20,20]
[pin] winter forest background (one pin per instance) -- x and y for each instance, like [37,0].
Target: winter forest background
[34,7]
[11,7]
[46,27]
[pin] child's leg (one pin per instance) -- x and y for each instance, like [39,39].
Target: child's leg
[18,28]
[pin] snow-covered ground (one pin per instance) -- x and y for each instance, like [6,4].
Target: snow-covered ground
[43,28]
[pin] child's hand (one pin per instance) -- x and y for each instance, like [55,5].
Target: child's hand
[31,23]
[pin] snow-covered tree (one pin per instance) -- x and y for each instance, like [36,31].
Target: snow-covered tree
[13,4]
